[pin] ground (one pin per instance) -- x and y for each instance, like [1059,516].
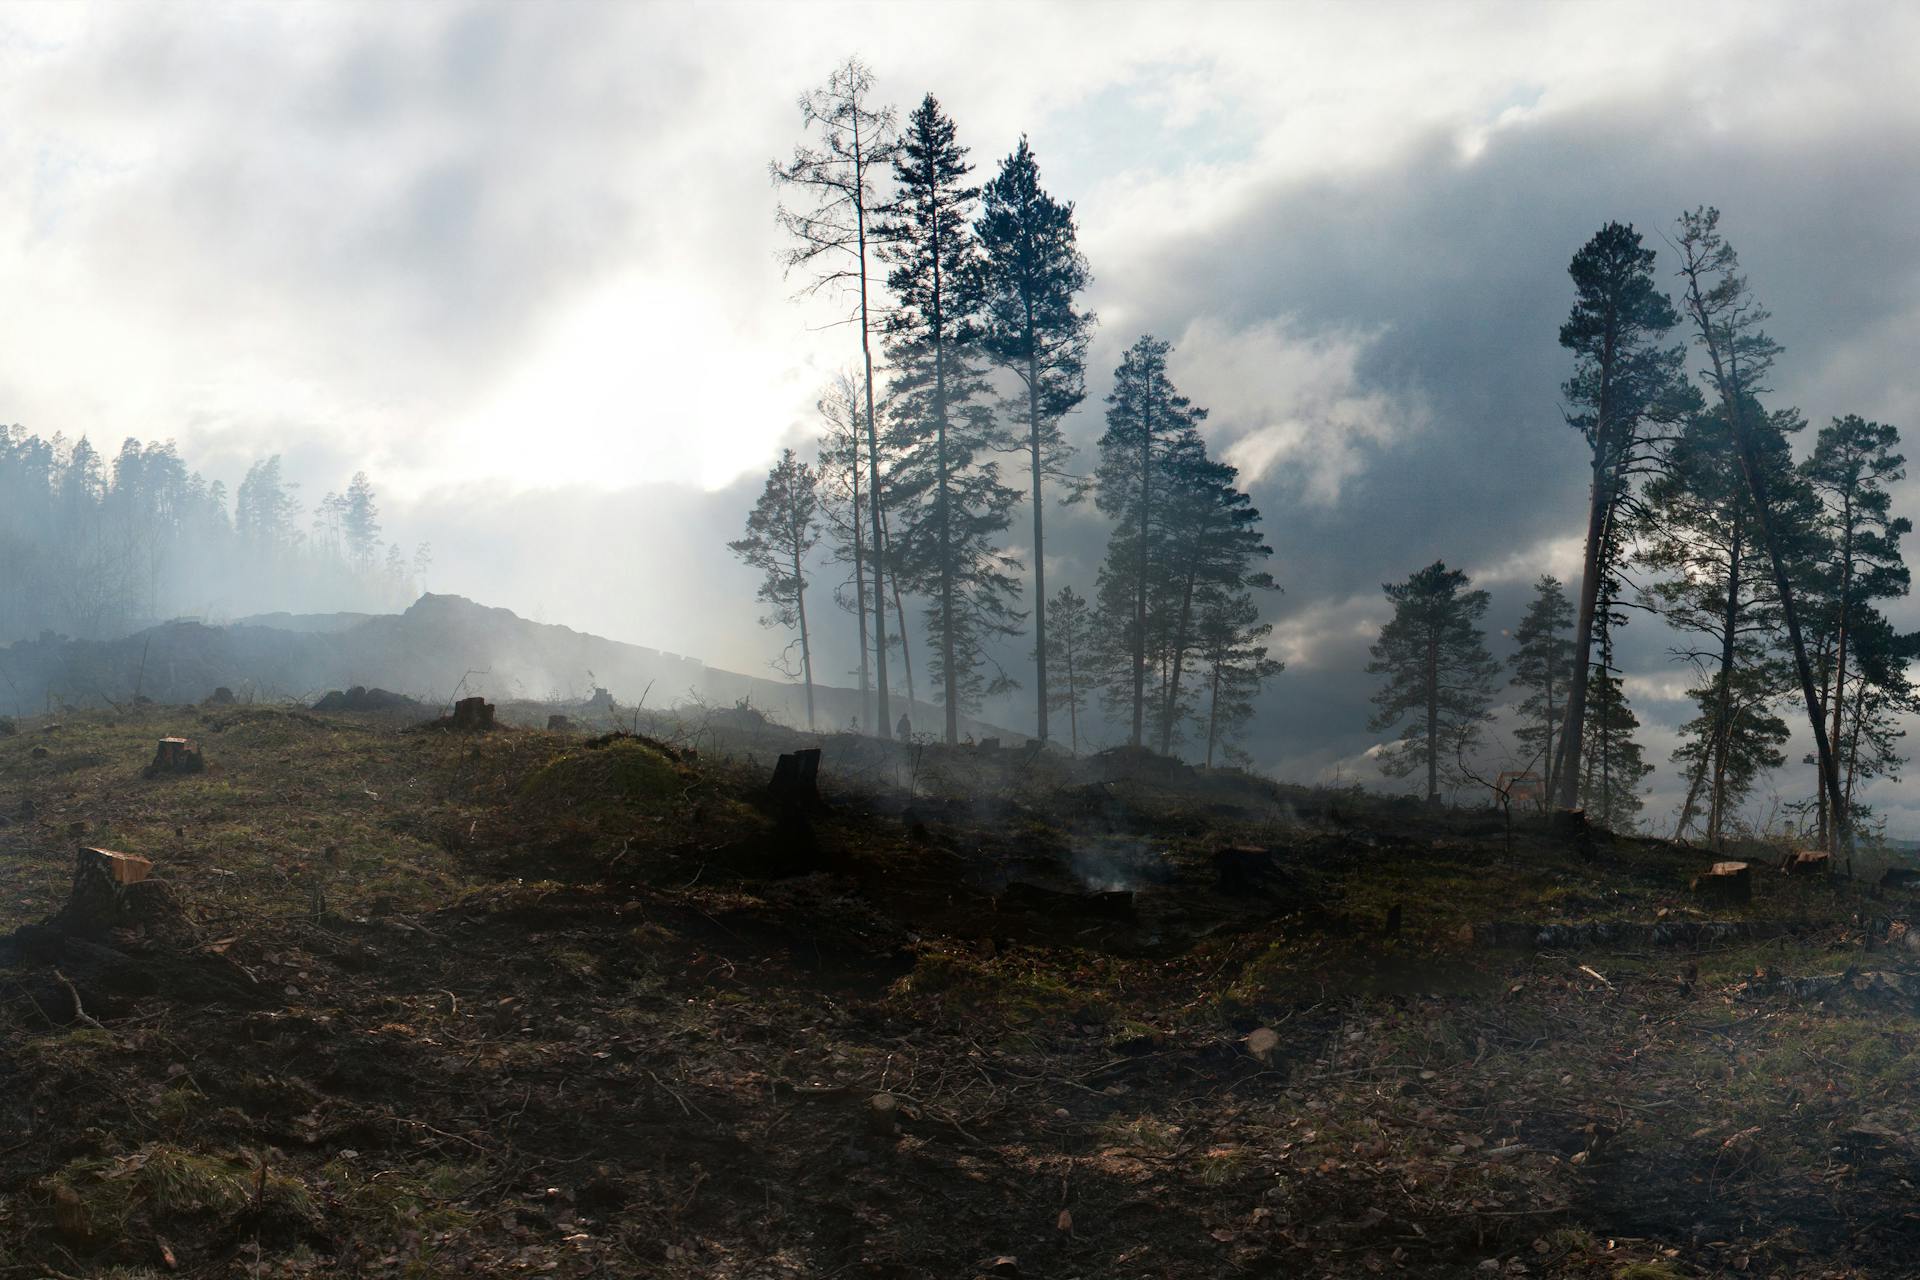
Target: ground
[426,1004]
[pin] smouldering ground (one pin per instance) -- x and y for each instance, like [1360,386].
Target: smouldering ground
[521,1004]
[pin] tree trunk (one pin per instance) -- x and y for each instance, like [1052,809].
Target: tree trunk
[806,642]
[949,678]
[1433,719]
[1571,739]
[1213,712]
[1722,726]
[1599,508]
[884,722]
[1140,587]
[1073,694]
[1840,657]
[900,616]
[860,583]
[1548,762]
[1039,538]
[1179,656]
[1727,379]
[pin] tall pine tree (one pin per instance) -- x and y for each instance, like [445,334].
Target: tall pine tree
[945,484]
[1852,464]
[1623,380]
[1150,425]
[1033,326]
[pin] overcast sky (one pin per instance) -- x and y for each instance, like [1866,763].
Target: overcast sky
[518,262]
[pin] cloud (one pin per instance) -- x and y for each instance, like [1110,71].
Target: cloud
[1289,406]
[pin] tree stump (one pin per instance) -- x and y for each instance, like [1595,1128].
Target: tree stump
[110,889]
[1571,823]
[176,755]
[1725,883]
[1809,862]
[472,715]
[796,779]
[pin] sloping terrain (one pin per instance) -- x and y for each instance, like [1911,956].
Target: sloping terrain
[440,647]
[418,1003]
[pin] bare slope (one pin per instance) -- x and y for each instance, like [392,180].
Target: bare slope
[440,646]
[568,1006]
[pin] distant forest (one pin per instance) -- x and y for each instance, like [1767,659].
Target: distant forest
[95,548]
[1769,568]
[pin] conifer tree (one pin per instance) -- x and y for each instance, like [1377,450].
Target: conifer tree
[1613,767]
[1069,658]
[945,484]
[1234,666]
[1852,463]
[360,522]
[1726,322]
[782,529]
[1623,381]
[1211,550]
[1149,423]
[1032,325]
[1439,673]
[1542,666]
[832,240]
[843,505]
[1698,533]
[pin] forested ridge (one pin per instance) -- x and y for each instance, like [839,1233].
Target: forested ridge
[96,547]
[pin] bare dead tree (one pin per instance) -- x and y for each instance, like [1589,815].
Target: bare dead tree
[856,141]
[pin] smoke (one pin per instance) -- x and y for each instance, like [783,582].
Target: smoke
[1119,866]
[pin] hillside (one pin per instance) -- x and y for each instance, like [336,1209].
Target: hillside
[413,1003]
[439,645]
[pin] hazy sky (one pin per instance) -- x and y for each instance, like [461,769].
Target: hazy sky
[518,261]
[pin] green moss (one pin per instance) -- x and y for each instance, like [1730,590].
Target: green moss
[163,1182]
[622,777]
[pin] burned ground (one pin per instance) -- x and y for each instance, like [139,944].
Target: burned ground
[446,1004]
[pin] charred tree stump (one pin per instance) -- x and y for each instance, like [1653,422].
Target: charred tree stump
[796,780]
[176,755]
[1725,883]
[472,715]
[1809,862]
